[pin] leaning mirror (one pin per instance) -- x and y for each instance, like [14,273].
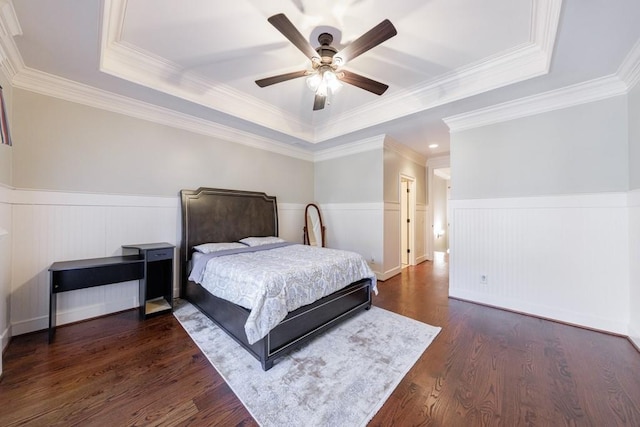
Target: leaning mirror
[313,227]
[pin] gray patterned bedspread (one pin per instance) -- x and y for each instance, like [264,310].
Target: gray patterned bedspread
[271,283]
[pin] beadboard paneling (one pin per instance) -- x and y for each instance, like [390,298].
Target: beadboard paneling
[561,257]
[56,226]
[392,242]
[356,227]
[372,230]
[6,235]
[291,221]
[421,233]
[634,261]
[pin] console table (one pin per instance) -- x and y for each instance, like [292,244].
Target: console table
[86,273]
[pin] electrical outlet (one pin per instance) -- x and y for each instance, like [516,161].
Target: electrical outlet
[484,279]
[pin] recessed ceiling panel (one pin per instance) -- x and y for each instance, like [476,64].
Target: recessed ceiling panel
[226,46]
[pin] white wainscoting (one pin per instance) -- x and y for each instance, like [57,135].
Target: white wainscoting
[291,221]
[392,243]
[421,233]
[356,227]
[5,268]
[56,226]
[372,230]
[634,261]
[564,257]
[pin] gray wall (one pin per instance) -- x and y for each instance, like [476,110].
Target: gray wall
[580,149]
[60,145]
[396,164]
[634,138]
[6,152]
[355,178]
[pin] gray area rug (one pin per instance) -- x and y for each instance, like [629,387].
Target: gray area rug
[341,378]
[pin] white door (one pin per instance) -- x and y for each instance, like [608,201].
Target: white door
[405,221]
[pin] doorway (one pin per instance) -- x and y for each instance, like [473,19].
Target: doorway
[407,214]
[439,219]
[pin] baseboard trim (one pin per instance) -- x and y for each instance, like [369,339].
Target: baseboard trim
[389,273]
[550,319]
[634,343]
[74,316]
[421,259]
[634,338]
[542,312]
[5,338]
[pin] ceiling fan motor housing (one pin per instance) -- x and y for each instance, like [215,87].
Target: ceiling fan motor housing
[325,50]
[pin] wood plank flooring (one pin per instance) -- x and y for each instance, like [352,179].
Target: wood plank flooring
[487,367]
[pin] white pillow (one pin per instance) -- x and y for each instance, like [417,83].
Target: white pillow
[257,241]
[206,248]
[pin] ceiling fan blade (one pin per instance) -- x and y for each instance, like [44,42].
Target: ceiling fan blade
[286,27]
[363,82]
[318,102]
[372,38]
[280,78]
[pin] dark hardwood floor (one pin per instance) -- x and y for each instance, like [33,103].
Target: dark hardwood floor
[487,367]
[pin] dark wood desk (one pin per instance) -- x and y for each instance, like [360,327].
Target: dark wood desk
[85,273]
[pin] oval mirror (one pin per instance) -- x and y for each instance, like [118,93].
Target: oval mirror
[313,227]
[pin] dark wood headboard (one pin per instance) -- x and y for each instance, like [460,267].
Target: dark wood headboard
[216,215]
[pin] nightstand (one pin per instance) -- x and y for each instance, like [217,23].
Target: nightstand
[156,285]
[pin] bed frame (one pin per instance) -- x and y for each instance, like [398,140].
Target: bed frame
[217,215]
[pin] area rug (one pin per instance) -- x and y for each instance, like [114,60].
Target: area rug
[341,378]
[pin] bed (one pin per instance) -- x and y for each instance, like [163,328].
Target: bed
[211,215]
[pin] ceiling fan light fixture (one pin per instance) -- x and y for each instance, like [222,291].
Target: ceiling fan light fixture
[323,81]
[330,79]
[314,80]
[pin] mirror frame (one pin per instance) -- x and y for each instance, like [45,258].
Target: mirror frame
[306,225]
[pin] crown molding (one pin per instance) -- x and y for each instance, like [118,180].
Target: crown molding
[123,60]
[629,71]
[404,151]
[517,64]
[439,162]
[520,63]
[377,142]
[544,26]
[10,24]
[10,59]
[368,144]
[581,93]
[58,87]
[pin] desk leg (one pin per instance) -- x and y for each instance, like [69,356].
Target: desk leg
[53,300]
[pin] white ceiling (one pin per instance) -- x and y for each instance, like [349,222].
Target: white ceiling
[196,60]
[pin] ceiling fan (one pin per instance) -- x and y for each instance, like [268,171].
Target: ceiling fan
[326,61]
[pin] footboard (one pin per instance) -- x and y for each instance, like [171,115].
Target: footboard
[298,327]
[310,320]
